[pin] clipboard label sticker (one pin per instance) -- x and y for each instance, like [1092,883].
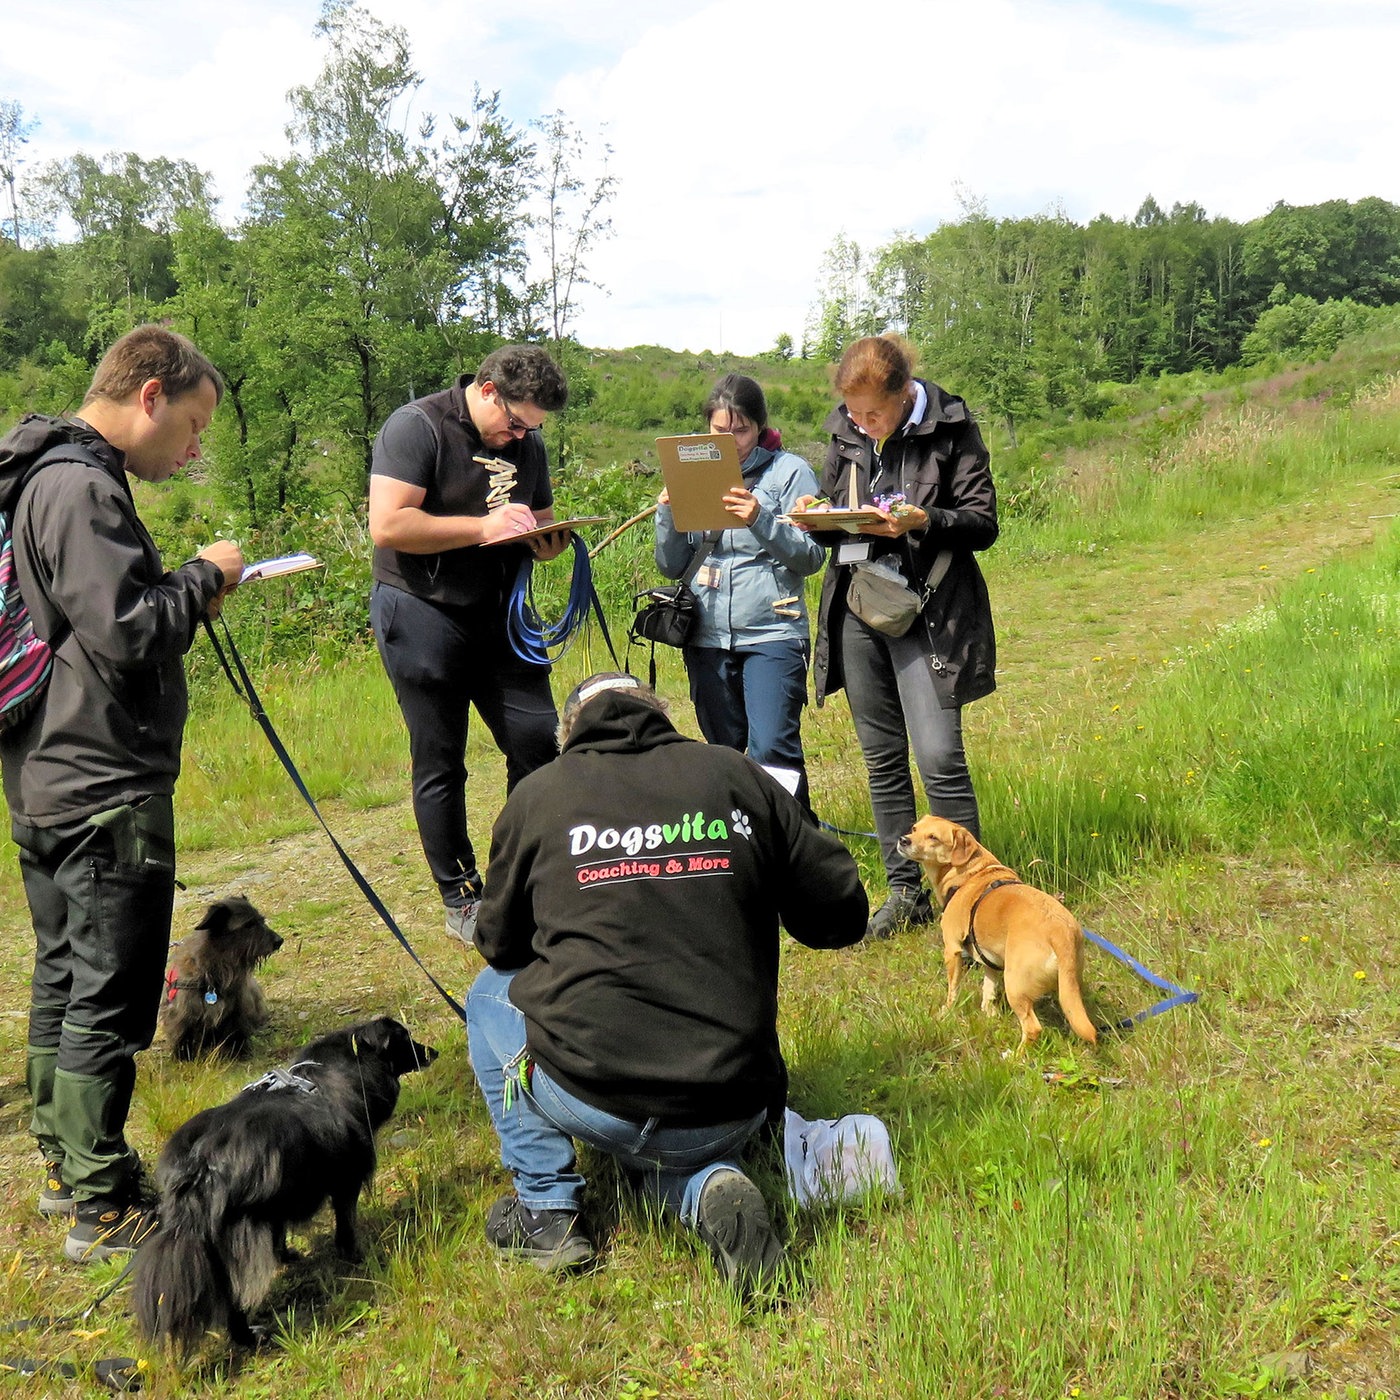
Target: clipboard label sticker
[697,452]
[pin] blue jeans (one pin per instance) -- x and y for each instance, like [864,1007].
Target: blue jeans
[750,698]
[538,1125]
[893,704]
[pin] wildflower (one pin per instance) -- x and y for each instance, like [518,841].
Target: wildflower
[1359,975]
[1305,938]
[1264,1142]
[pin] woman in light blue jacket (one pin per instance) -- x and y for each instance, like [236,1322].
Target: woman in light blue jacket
[747,658]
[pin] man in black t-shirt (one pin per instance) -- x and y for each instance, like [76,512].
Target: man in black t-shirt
[455,476]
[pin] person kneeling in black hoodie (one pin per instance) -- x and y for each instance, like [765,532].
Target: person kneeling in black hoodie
[630,926]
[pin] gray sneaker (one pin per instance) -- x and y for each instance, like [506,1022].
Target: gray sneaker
[732,1218]
[904,906]
[461,920]
[552,1240]
[55,1196]
[102,1228]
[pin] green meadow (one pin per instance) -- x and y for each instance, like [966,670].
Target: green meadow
[1194,744]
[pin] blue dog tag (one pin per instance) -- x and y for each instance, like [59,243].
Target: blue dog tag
[210,998]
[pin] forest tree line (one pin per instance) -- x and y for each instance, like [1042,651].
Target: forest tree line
[1037,315]
[374,262]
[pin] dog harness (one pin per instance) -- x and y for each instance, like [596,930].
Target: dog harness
[971,948]
[173,985]
[287,1079]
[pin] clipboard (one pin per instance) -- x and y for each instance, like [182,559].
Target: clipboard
[552,528]
[837,519]
[698,468]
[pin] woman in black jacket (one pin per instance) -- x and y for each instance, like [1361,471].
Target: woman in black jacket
[913,450]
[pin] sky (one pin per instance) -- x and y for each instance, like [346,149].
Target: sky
[747,135]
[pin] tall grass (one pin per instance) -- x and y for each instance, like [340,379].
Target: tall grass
[1207,1207]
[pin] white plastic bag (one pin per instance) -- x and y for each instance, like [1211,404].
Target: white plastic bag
[837,1159]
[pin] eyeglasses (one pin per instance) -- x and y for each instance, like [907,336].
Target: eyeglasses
[513,424]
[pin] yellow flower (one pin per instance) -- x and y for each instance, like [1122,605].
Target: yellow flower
[1265,1142]
[1359,975]
[1305,938]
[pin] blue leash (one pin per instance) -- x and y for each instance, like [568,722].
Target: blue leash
[1179,995]
[249,696]
[541,643]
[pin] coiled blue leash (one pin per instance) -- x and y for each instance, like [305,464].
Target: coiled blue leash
[539,642]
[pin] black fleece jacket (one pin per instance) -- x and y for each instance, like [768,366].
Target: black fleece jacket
[638,882]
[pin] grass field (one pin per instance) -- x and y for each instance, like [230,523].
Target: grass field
[1193,743]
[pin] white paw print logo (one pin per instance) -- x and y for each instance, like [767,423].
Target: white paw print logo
[740,822]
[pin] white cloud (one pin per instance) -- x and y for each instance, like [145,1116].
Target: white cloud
[747,133]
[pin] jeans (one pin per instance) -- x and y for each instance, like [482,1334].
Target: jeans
[751,698]
[100,896]
[893,703]
[442,661]
[537,1125]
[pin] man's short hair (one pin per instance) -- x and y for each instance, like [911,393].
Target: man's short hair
[525,374]
[599,684]
[152,352]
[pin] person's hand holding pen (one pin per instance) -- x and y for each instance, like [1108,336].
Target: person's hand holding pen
[506,521]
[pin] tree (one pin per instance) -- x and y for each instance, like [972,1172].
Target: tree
[14,133]
[573,221]
[845,310]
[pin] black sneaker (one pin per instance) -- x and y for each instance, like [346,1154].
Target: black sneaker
[552,1240]
[732,1219]
[904,906]
[55,1196]
[103,1227]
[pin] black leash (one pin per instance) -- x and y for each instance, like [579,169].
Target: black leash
[249,695]
[121,1373]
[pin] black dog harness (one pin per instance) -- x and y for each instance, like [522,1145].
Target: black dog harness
[970,947]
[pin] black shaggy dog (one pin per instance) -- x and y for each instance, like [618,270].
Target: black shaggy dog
[234,1177]
[212,1001]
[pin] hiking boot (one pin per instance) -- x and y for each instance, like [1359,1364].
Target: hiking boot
[904,906]
[56,1196]
[103,1227]
[461,920]
[552,1240]
[732,1219]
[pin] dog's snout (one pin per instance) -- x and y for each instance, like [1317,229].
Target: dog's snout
[277,940]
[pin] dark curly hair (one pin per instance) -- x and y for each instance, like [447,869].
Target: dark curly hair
[525,374]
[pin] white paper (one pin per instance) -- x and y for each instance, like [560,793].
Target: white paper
[285,564]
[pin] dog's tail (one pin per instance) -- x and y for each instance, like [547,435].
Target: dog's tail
[180,1281]
[1071,964]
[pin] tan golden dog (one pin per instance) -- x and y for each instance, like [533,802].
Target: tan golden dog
[1025,939]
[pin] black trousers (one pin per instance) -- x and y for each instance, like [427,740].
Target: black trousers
[442,662]
[101,893]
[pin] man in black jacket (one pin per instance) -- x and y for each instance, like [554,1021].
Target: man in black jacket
[630,924]
[89,773]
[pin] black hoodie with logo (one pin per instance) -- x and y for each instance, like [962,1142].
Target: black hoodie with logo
[638,883]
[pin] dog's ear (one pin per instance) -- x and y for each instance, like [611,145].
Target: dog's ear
[216,918]
[964,844]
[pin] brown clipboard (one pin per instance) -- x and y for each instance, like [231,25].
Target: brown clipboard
[836,519]
[552,528]
[698,469]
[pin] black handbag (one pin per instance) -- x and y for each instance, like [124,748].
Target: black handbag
[668,616]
